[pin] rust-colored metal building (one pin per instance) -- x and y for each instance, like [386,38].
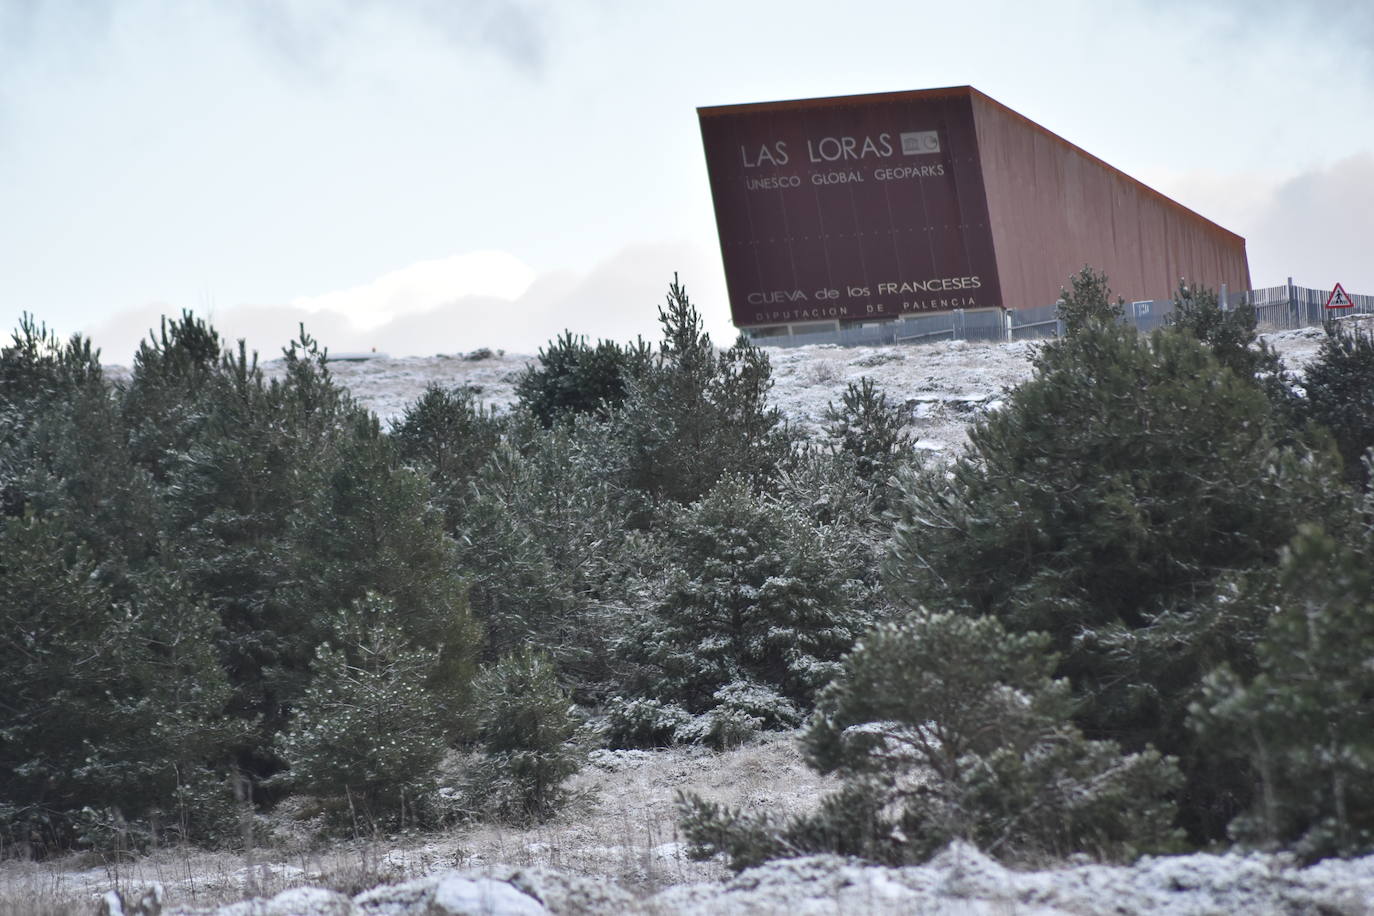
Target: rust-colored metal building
[864,208]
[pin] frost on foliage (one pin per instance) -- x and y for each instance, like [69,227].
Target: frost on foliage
[1116,493]
[112,702]
[750,621]
[695,415]
[870,430]
[525,726]
[946,727]
[1338,385]
[1302,727]
[365,737]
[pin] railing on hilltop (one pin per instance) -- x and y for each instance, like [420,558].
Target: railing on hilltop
[1277,308]
[1281,308]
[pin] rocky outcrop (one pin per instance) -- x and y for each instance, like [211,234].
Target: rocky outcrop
[498,892]
[961,880]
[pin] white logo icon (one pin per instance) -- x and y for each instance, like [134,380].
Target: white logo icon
[920,143]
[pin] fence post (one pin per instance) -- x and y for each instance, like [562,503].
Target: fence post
[1295,318]
[959,324]
[1006,324]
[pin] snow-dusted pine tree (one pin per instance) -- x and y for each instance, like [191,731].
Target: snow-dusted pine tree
[1105,505]
[1303,726]
[943,727]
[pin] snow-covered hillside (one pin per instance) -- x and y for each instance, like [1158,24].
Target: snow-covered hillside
[616,850]
[945,383]
[616,847]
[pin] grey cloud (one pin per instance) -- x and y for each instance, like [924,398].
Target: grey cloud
[73,30]
[507,26]
[304,33]
[616,299]
[1317,227]
[1312,28]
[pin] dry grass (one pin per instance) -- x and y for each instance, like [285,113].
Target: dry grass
[621,825]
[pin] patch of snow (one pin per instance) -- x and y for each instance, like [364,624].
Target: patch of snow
[298,901]
[456,895]
[618,760]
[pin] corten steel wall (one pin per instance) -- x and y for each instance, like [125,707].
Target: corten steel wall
[1054,208]
[826,211]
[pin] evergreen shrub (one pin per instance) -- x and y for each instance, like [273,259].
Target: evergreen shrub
[574,377]
[1109,505]
[1339,385]
[526,726]
[1302,725]
[752,617]
[946,727]
[1088,300]
[367,736]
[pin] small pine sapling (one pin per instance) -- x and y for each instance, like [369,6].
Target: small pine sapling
[1088,300]
[1340,394]
[364,738]
[947,727]
[871,429]
[525,725]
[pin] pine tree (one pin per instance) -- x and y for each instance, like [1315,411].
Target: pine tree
[257,458]
[695,415]
[162,404]
[371,529]
[1088,300]
[367,735]
[525,726]
[283,508]
[110,703]
[754,601]
[573,377]
[1232,336]
[39,374]
[1108,505]
[870,429]
[943,727]
[1302,726]
[546,550]
[1340,394]
[449,435]
[77,464]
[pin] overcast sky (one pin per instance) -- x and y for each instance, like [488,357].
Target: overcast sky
[426,176]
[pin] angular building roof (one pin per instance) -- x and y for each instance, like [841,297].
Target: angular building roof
[872,206]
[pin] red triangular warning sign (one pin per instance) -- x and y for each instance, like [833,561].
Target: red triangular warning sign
[1339,299]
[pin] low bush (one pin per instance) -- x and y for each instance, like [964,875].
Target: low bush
[1340,395]
[526,726]
[947,727]
[574,377]
[364,739]
[1302,727]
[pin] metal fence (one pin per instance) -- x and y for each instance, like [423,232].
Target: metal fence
[1281,308]
[982,324]
[1276,308]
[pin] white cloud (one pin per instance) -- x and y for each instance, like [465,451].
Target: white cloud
[1319,224]
[425,286]
[1313,225]
[459,303]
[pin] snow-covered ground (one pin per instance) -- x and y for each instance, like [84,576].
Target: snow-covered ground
[616,847]
[616,850]
[945,383]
